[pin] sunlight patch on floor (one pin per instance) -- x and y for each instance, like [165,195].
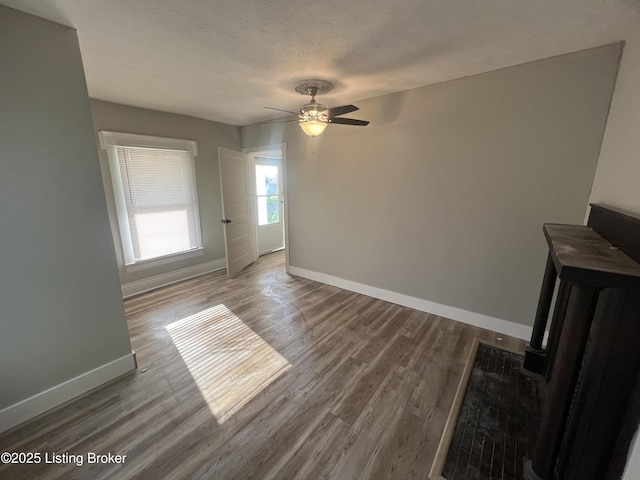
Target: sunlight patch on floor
[229,362]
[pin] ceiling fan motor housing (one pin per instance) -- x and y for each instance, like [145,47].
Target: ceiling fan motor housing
[313,111]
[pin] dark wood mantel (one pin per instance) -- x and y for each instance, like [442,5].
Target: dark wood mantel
[582,255]
[589,367]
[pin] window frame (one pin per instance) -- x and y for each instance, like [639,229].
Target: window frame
[110,141]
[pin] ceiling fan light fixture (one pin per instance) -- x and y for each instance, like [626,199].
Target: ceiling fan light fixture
[313,128]
[313,117]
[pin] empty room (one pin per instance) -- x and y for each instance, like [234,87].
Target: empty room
[301,239]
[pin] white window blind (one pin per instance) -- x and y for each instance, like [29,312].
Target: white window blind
[156,198]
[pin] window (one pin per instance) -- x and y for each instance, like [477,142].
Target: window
[155,193]
[268,194]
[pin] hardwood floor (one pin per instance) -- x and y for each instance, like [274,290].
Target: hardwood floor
[263,376]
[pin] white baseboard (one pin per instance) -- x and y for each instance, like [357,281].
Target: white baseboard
[471,318]
[146,284]
[33,406]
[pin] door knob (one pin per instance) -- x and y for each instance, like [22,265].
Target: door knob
[225,220]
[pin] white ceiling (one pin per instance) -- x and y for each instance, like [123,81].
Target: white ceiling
[225,60]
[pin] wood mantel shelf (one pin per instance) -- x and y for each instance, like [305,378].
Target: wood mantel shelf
[580,254]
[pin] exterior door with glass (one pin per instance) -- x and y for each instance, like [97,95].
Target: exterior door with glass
[269,204]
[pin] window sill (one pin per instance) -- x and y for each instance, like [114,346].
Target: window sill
[164,260]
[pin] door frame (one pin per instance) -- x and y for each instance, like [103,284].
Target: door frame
[264,150]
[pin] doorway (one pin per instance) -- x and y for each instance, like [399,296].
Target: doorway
[270,202]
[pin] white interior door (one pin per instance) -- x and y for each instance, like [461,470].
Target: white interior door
[236,177]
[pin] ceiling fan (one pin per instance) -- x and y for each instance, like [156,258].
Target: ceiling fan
[314,117]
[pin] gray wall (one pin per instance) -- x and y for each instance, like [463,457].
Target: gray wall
[209,135]
[443,196]
[61,311]
[617,180]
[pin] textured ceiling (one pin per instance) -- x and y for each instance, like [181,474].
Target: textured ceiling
[225,60]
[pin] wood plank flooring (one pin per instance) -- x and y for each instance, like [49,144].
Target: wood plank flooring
[263,376]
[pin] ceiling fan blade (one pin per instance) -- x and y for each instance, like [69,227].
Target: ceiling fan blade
[334,112]
[349,121]
[271,122]
[281,110]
